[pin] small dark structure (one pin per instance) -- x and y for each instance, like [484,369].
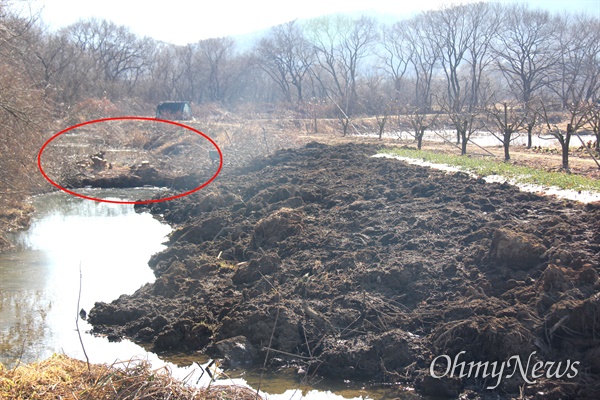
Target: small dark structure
[179,110]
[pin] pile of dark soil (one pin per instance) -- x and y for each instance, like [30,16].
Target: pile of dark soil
[369,269]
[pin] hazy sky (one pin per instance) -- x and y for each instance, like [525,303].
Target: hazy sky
[187,21]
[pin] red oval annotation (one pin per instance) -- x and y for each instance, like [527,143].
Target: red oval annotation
[130,118]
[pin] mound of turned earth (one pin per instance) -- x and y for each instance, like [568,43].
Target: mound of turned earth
[370,269]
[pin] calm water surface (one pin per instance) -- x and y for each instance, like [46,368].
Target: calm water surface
[107,246]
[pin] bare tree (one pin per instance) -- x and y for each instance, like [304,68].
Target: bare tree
[417,121]
[525,55]
[464,122]
[452,32]
[578,117]
[215,55]
[340,44]
[286,57]
[577,72]
[595,124]
[396,55]
[190,84]
[484,19]
[425,57]
[576,76]
[165,76]
[117,57]
[464,39]
[54,56]
[525,50]
[23,110]
[377,100]
[506,120]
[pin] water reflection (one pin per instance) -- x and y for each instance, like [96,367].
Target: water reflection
[109,243]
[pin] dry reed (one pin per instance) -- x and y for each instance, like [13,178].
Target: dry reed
[62,377]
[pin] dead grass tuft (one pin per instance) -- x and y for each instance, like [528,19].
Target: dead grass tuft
[61,377]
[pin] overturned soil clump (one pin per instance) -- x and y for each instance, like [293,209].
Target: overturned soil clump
[372,269]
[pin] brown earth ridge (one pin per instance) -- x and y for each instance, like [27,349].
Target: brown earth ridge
[367,269]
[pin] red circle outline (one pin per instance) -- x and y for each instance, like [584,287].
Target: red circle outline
[39,160]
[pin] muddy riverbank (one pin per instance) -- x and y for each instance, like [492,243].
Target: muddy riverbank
[360,268]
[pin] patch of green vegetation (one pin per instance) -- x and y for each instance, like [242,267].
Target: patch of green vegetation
[517,173]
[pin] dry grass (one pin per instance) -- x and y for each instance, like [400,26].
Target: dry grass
[61,377]
[15,215]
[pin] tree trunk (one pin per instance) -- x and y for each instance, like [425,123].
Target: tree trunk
[419,136]
[345,122]
[381,121]
[506,145]
[565,155]
[463,144]
[529,135]
[564,144]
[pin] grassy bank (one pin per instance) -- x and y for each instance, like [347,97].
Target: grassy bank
[517,173]
[61,377]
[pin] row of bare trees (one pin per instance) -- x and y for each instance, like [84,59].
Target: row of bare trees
[476,64]
[458,55]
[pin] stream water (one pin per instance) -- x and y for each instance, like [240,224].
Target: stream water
[77,252]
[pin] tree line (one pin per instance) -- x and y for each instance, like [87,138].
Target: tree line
[506,68]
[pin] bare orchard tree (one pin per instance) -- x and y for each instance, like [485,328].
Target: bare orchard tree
[595,124]
[531,119]
[464,121]
[578,117]
[286,57]
[377,99]
[315,109]
[417,121]
[576,77]
[340,44]
[503,121]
